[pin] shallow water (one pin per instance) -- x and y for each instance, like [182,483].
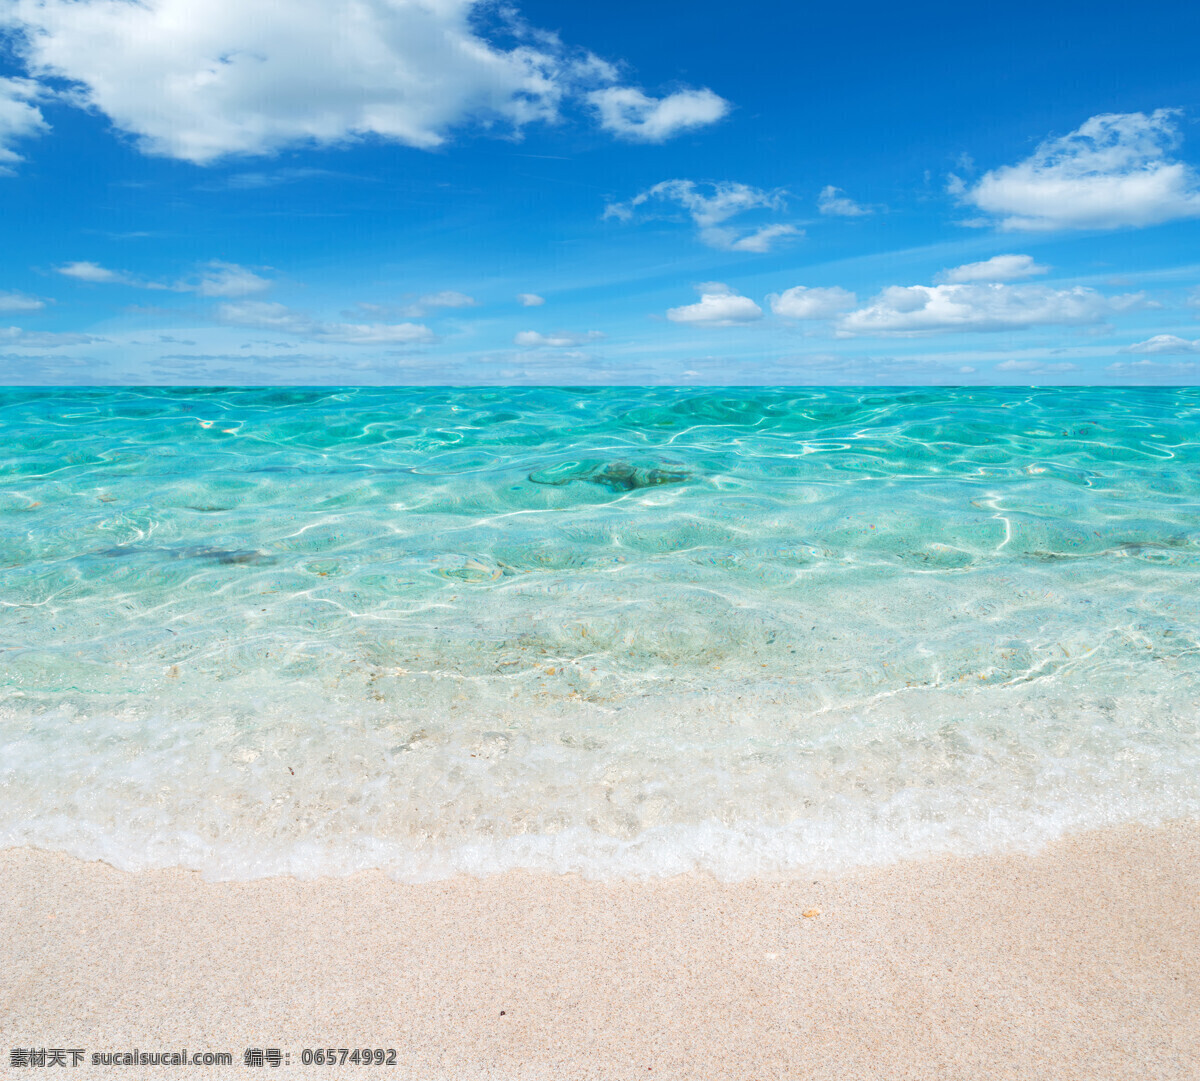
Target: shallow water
[614,630]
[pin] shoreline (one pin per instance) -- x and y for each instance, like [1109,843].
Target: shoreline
[1077,962]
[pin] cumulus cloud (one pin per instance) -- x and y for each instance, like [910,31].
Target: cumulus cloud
[802,303]
[264,315]
[214,279]
[1115,170]
[1163,343]
[835,201]
[530,300]
[19,302]
[630,114]
[999,268]
[719,306]
[710,205]
[255,76]
[20,118]
[531,339]
[921,308]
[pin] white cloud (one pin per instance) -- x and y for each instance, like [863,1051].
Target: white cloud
[19,118]
[709,211]
[199,82]
[226,280]
[916,308]
[33,339]
[250,181]
[870,368]
[415,309]
[264,315]
[19,302]
[1181,370]
[530,300]
[802,303]
[719,306]
[760,240]
[1035,367]
[447,298]
[95,274]
[727,199]
[531,339]
[999,268]
[215,279]
[835,201]
[1163,343]
[1115,170]
[548,362]
[630,114]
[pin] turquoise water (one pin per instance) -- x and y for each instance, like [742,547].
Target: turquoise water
[616,631]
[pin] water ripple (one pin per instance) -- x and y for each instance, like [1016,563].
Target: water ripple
[614,630]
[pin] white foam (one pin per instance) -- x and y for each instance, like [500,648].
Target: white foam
[657,788]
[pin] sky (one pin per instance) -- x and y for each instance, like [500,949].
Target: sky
[469,192]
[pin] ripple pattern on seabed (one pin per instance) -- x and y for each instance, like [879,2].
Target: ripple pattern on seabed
[612,630]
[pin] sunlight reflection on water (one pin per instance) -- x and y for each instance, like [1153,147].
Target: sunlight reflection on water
[614,630]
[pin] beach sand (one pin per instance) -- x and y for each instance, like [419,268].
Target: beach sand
[1080,962]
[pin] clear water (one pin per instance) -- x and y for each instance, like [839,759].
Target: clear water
[615,631]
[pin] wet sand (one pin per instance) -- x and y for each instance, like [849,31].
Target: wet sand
[1080,962]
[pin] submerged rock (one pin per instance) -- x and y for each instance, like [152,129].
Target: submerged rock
[215,555]
[227,555]
[616,476]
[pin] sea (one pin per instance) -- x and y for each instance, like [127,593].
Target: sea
[621,632]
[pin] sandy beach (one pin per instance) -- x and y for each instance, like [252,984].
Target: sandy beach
[1078,962]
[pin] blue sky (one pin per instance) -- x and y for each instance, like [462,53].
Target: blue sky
[447,191]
